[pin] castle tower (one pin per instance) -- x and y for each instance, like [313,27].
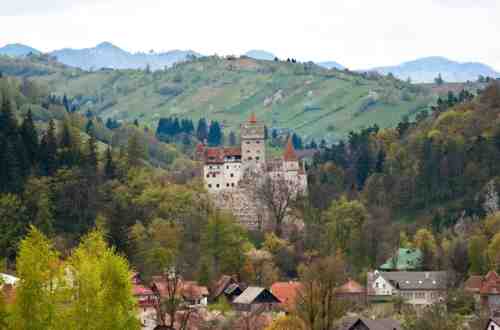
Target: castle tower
[253,146]
[290,159]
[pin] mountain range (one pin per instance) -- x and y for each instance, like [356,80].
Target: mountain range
[425,70]
[107,55]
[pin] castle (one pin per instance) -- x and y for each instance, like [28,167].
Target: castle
[230,173]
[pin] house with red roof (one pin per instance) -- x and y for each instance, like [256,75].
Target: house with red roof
[287,293]
[351,291]
[486,290]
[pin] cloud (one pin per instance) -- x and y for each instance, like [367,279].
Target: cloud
[39,7]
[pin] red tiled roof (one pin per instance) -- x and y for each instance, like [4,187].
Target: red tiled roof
[219,287]
[214,155]
[489,284]
[253,118]
[286,292]
[232,151]
[474,283]
[192,291]
[351,287]
[141,290]
[290,154]
[200,147]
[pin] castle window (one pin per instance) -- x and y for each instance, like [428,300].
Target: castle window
[227,184]
[213,175]
[248,142]
[249,158]
[232,184]
[208,175]
[209,185]
[217,185]
[257,158]
[258,142]
[210,167]
[232,175]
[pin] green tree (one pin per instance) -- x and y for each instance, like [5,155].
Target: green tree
[48,151]
[214,134]
[40,294]
[101,289]
[13,221]
[30,138]
[224,243]
[476,250]
[136,150]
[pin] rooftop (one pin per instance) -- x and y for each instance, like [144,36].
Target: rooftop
[404,259]
[289,154]
[286,292]
[415,280]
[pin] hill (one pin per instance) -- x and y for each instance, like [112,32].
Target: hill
[17,50]
[331,65]
[428,68]
[303,97]
[107,55]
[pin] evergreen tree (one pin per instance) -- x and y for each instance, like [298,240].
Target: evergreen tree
[30,138]
[214,134]
[109,167]
[232,139]
[135,150]
[91,156]
[202,130]
[66,103]
[48,151]
[90,128]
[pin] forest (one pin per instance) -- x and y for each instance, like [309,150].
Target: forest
[75,194]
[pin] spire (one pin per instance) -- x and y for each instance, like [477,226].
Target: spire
[290,155]
[252,118]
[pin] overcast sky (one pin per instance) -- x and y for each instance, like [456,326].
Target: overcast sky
[356,33]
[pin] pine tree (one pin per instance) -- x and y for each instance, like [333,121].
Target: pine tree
[214,134]
[202,130]
[109,167]
[91,156]
[135,150]
[48,151]
[232,139]
[90,128]
[30,138]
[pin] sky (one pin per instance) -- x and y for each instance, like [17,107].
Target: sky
[359,34]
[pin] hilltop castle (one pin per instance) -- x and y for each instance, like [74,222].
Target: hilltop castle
[230,173]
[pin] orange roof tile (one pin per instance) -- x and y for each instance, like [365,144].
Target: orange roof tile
[232,151]
[290,154]
[351,286]
[252,119]
[286,292]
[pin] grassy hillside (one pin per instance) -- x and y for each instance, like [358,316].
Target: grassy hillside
[306,98]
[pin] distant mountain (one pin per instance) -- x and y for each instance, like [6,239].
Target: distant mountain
[331,64]
[107,55]
[428,68]
[17,50]
[260,55]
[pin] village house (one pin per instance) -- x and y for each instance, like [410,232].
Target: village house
[417,288]
[352,292]
[486,290]
[493,324]
[403,260]
[226,286]
[189,291]
[369,324]
[146,302]
[287,293]
[256,298]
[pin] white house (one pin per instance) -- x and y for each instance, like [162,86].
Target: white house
[493,324]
